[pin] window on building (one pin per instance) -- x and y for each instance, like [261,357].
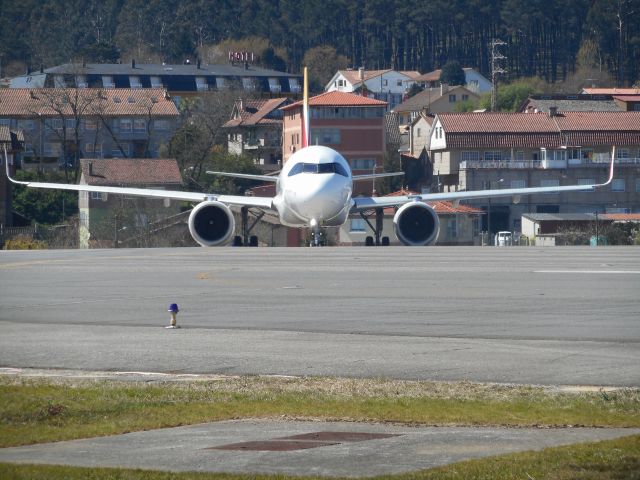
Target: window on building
[107,81]
[552,182]
[465,97]
[90,124]
[398,83]
[357,225]
[93,149]
[325,136]
[139,125]
[26,124]
[134,81]
[123,150]
[99,196]
[470,156]
[520,156]
[518,183]
[363,164]
[201,84]
[492,156]
[418,132]
[126,125]
[52,149]
[161,125]
[156,82]
[617,185]
[452,228]
[452,98]
[622,153]
[385,82]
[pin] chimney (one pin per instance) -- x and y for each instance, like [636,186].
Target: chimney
[240,105]
[133,63]
[90,168]
[198,64]
[553,111]
[444,88]
[41,68]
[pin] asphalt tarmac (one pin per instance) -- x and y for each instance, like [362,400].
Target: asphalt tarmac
[561,315]
[557,316]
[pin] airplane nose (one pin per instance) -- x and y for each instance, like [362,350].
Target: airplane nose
[320,198]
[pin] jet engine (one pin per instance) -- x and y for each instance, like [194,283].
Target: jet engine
[416,224]
[211,223]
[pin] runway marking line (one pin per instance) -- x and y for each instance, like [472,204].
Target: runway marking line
[602,272]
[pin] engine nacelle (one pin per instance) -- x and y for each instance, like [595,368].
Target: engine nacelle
[416,224]
[211,223]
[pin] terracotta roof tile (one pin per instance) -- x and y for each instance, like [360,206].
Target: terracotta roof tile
[441,207]
[612,91]
[621,217]
[130,171]
[497,122]
[25,102]
[339,99]
[254,112]
[599,121]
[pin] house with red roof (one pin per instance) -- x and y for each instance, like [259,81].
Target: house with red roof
[353,125]
[107,220]
[477,151]
[459,224]
[255,129]
[388,85]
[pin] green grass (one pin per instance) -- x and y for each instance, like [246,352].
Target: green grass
[34,411]
[609,460]
[44,410]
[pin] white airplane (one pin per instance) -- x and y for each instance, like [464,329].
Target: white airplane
[314,190]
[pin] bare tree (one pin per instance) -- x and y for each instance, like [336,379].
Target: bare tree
[64,104]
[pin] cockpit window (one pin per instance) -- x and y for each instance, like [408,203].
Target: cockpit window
[318,168]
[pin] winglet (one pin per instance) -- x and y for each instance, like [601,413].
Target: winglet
[613,159]
[6,164]
[305,111]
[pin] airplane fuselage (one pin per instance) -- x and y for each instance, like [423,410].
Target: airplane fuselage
[314,188]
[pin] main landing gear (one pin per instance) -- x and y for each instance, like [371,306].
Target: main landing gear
[246,239]
[378,239]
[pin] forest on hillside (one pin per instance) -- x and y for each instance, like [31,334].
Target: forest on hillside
[544,38]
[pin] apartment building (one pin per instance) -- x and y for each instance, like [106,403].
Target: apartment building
[351,124]
[475,151]
[62,125]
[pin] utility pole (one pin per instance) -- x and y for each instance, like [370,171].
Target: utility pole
[495,70]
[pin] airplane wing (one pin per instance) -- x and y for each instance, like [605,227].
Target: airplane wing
[238,200]
[366,203]
[372,176]
[248,176]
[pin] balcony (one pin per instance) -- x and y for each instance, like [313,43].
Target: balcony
[596,162]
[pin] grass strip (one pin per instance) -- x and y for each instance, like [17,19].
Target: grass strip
[45,410]
[608,460]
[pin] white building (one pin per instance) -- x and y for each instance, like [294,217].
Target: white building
[387,85]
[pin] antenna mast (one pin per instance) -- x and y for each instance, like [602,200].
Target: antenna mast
[495,70]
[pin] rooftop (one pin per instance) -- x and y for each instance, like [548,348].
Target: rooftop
[339,99]
[130,171]
[353,76]
[92,101]
[254,112]
[193,69]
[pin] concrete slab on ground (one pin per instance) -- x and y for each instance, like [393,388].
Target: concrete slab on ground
[266,446]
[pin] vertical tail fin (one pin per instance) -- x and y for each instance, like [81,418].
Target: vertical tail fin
[305,111]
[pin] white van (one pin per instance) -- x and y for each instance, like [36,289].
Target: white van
[503,239]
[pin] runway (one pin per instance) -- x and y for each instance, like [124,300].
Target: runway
[562,315]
